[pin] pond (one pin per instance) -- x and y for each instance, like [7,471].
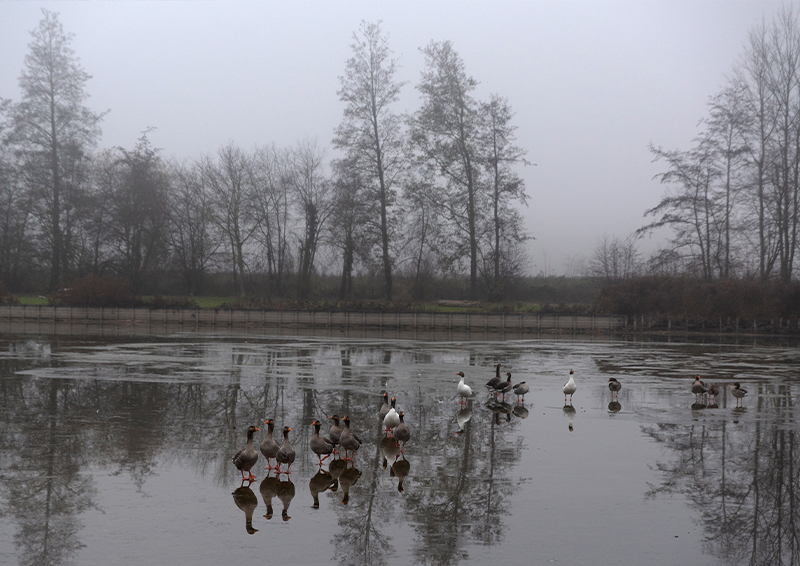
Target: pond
[118,451]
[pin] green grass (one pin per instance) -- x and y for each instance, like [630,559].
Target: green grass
[31,300]
[217,302]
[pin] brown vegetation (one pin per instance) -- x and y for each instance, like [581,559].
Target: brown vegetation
[693,299]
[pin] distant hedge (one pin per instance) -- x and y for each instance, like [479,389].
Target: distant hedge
[683,297]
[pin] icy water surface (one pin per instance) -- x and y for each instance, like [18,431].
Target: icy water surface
[115,452]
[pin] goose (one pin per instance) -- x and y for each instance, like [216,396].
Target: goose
[247,456]
[392,418]
[335,432]
[269,446]
[738,392]
[614,386]
[505,386]
[713,391]
[385,407]
[496,380]
[349,441]
[570,387]
[401,432]
[320,445]
[520,389]
[464,390]
[286,453]
[698,387]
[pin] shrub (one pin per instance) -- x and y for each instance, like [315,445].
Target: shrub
[5,296]
[95,291]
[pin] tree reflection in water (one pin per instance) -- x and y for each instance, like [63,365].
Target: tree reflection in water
[744,478]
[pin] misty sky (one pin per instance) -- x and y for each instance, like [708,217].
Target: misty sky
[592,82]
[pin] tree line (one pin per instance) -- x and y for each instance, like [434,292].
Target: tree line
[733,198]
[429,194]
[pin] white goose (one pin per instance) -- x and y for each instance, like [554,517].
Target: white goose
[392,418]
[570,387]
[464,390]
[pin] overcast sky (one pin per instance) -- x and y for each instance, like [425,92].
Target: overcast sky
[592,82]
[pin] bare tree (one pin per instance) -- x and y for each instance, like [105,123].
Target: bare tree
[271,202]
[312,194]
[689,207]
[229,180]
[193,243]
[754,75]
[370,133]
[446,134]
[53,129]
[507,232]
[139,219]
[349,220]
[615,258]
[15,220]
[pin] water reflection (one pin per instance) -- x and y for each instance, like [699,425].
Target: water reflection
[285,492]
[569,412]
[268,489]
[741,474]
[135,412]
[614,407]
[400,470]
[247,501]
[320,482]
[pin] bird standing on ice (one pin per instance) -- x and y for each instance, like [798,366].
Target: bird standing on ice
[570,387]
[464,390]
[738,392]
[614,386]
[698,388]
[392,418]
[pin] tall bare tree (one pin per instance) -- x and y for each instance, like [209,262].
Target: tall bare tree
[139,219]
[271,203]
[52,127]
[370,132]
[507,231]
[446,135]
[229,180]
[349,219]
[193,242]
[311,191]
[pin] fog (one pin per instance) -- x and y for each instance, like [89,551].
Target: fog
[592,83]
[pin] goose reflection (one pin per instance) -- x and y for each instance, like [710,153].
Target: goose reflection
[614,407]
[400,470]
[285,494]
[462,418]
[500,408]
[319,483]
[268,489]
[389,448]
[336,469]
[569,412]
[347,480]
[520,411]
[247,501]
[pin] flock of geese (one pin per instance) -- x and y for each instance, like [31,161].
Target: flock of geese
[340,437]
